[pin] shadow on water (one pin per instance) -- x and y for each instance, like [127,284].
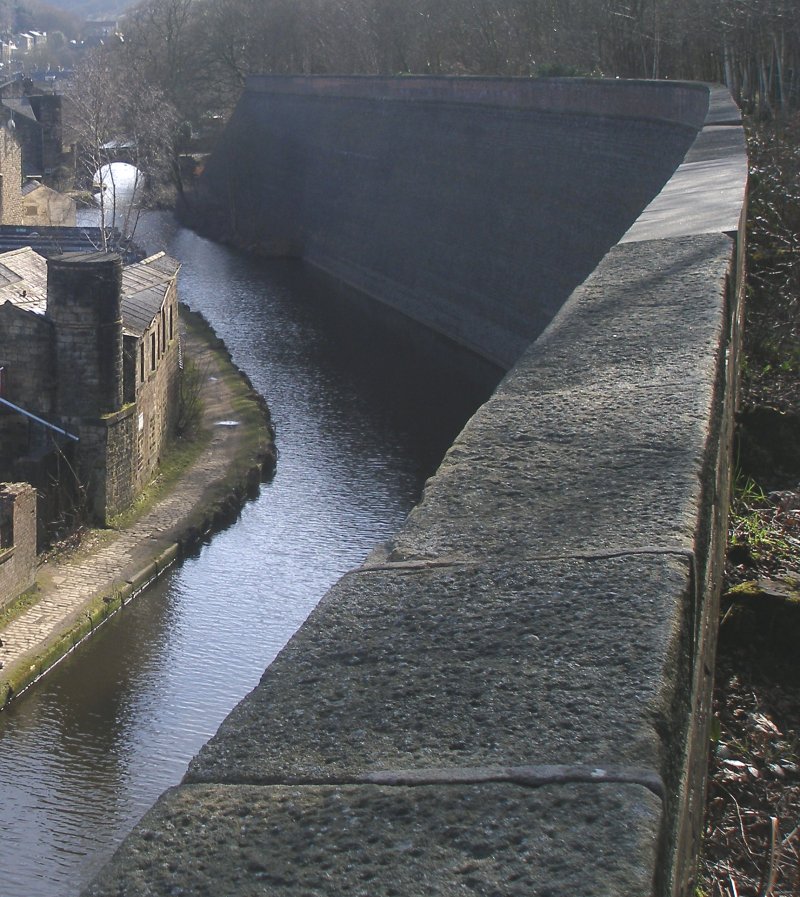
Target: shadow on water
[364,410]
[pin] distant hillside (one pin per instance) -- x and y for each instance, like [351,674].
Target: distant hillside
[92,9]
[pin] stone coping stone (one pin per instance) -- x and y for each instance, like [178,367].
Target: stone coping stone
[706,193]
[722,144]
[600,435]
[368,841]
[567,661]
[686,102]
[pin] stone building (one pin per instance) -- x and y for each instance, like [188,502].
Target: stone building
[35,204]
[17,539]
[35,114]
[45,207]
[89,367]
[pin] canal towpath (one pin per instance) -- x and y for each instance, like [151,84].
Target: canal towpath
[76,590]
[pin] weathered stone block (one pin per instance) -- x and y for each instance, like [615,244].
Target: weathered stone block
[489,839]
[574,661]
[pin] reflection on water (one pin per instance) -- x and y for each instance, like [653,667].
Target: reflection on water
[360,422]
[117,189]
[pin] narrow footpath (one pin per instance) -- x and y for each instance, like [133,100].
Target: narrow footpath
[79,589]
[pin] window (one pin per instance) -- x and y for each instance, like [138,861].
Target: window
[153,350]
[141,361]
[171,325]
[6,524]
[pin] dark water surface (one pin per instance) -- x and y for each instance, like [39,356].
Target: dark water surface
[361,421]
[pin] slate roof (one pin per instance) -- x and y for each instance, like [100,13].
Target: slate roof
[49,240]
[23,281]
[143,287]
[20,106]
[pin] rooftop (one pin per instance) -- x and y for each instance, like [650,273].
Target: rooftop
[143,287]
[23,282]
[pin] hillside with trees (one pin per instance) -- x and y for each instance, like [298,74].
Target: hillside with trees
[27,15]
[208,47]
[90,9]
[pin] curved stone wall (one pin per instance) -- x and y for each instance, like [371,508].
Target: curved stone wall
[512,697]
[474,206]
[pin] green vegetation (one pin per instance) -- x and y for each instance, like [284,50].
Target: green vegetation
[756,524]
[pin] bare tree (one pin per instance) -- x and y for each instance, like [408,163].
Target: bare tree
[112,114]
[198,53]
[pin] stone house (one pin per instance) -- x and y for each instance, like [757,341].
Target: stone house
[17,539]
[45,207]
[89,369]
[35,115]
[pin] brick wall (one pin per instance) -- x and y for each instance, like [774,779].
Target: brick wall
[18,544]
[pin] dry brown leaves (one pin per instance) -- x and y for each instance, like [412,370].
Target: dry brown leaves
[752,840]
[752,835]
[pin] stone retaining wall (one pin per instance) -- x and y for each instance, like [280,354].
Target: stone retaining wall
[454,201]
[512,696]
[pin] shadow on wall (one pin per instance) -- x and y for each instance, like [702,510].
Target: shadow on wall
[473,210]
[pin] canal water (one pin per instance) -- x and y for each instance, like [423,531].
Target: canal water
[362,418]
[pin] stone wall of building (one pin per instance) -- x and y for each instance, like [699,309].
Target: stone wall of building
[26,354]
[157,389]
[74,368]
[121,482]
[47,109]
[47,208]
[108,462]
[84,304]
[39,127]
[130,443]
[10,178]
[17,539]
